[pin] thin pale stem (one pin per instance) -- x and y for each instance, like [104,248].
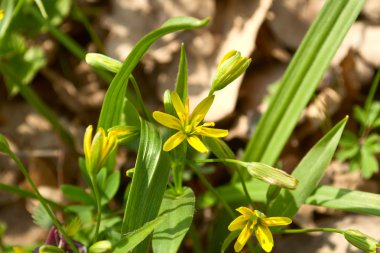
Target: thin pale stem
[196,170]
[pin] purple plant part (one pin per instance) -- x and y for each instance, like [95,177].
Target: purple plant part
[55,238]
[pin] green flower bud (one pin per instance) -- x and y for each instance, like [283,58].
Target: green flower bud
[103,62]
[230,67]
[361,241]
[268,174]
[100,247]
[50,249]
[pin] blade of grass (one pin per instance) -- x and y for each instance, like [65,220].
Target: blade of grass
[181,86]
[112,105]
[301,79]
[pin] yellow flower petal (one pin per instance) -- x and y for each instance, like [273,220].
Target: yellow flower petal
[167,120]
[242,239]
[178,105]
[174,141]
[201,110]
[245,211]
[196,143]
[211,132]
[238,223]
[264,237]
[277,221]
[87,142]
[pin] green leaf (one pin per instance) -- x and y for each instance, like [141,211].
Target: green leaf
[41,217]
[148,182]
[167,236]
[346,200]
[181,86]
[112,185]
[368,163]
[57,10]
[309,172]
[76,193]
[301,79]
[112,106]
[132,239]
[360,115]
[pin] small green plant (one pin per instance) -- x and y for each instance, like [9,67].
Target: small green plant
[360,148]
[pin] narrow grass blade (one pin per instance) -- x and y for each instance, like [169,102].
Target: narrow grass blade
[301,79]
[309,172]
[7,7]
[112,106]
[167,236]
[148,182]
[132,239]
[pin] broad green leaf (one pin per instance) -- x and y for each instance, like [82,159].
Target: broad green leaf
[301,79]
[347,200]
[112,185]
[148,182]
[12,44]
[132,239]
[76,193]
[309,172]
[181,86]
[112,106]
[167,236]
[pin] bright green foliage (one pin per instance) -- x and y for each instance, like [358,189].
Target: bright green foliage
[167,236]
[41,217]
[361,150]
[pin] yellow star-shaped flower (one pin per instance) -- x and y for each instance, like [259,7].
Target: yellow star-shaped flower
[188,126]
[254,221]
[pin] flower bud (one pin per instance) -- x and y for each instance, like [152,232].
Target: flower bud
[130,172]
[230,67]
[100,247]
[361,241]
[103,62]
[270,175]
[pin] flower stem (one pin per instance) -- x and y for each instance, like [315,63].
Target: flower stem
[196,170]
[42,201]
[98,207]
[309,230]
[237,168]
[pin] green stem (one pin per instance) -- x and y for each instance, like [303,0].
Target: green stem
[45,205]
[196,170]
[241,177]
[310,230]
[98,207]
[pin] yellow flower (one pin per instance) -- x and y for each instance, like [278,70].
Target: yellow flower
[1,14]
[97,149]
[254,221]
[188,125]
